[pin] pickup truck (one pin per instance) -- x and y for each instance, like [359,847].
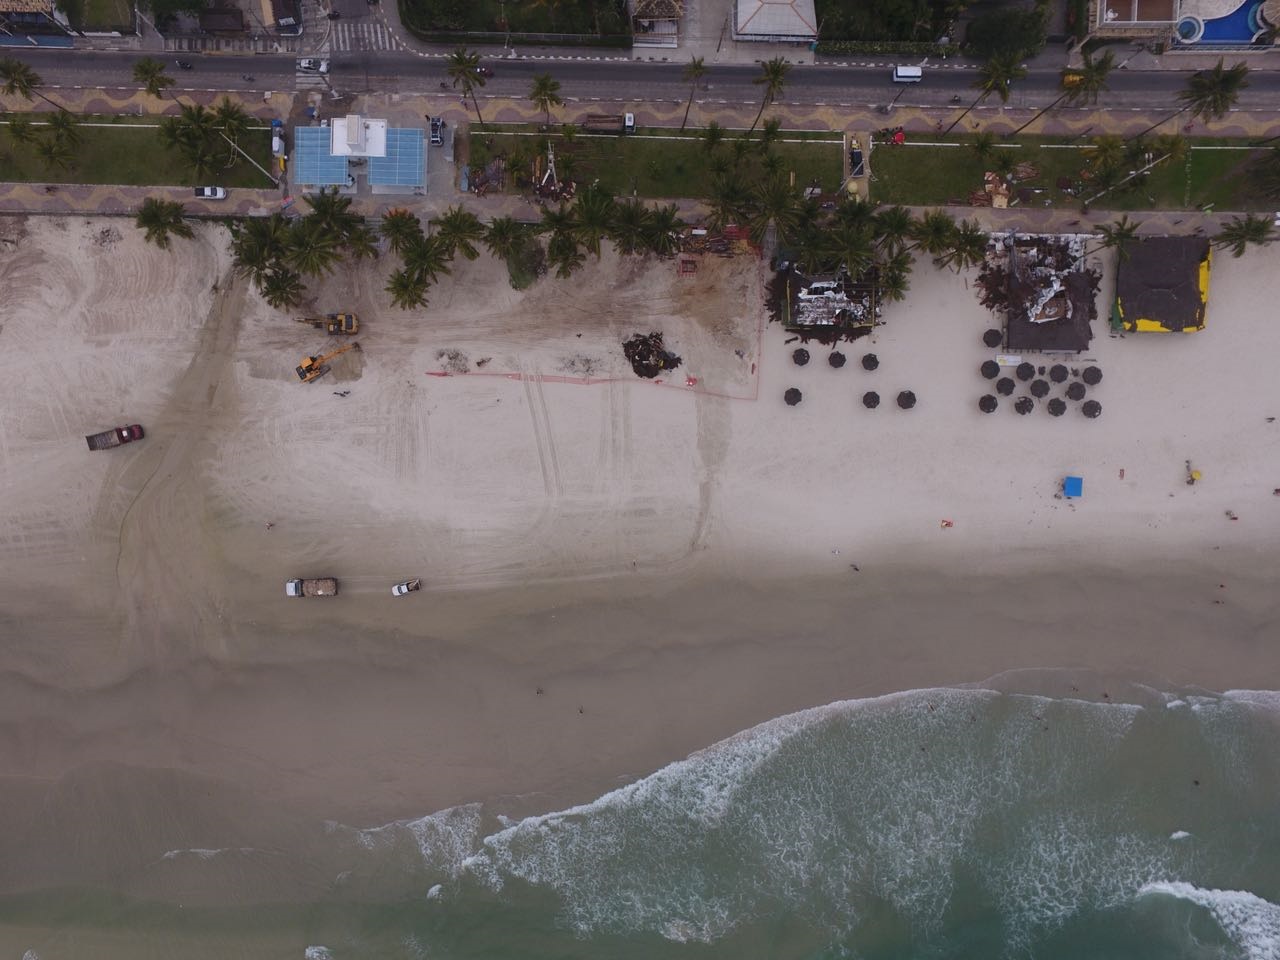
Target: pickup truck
[610,123]
[113,438]
[314,587]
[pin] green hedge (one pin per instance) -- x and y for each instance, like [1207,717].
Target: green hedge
[908,48]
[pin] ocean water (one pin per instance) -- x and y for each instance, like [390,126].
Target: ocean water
[944,823]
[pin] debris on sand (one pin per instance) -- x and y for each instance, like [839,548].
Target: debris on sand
[581,365]
[454,361]
[647,355]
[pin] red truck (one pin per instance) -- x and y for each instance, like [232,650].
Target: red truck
[113,438]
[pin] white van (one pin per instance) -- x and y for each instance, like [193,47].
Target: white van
[907,74]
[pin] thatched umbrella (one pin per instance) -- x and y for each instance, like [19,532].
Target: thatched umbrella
[1004,386]
[1091,409]
[1092,376]
[836,359]
[993,338]
[1024,405]
[800,356]
[1057,406]
[988,403]
[990,369]
[870,361]
[792,396]
[1058,373]
[1075,391]
[906,399]
[871,399]
[1039,388]
[1025,371]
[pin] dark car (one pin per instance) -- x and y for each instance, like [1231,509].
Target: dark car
[484,71]
[437,134]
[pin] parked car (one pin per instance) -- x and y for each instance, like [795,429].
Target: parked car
[484,71]
[211,193]
[437,136]
[408,586]
[313,65]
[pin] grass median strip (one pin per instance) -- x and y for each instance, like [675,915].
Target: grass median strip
[127,154]
[661,164]
[940,172]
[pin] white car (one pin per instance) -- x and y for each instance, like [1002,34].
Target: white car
[210,193]
[408,586]
[313,65]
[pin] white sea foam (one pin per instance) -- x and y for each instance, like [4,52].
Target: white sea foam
[318,953]
[443,839]
[30,955]
[204,853]
[1179,835]
[1261,698]
[1252,923]
[1175,704]
[436,891]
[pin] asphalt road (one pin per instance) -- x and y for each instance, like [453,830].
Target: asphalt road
[357,72]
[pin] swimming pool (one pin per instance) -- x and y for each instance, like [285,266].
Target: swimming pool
[1240,26]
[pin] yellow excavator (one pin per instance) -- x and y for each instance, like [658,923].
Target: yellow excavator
[312,368]
[333,323]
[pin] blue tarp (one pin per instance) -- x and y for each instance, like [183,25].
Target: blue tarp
[1073,487]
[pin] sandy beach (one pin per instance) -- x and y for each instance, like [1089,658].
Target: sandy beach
[616,573]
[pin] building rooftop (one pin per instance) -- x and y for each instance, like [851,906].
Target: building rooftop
[357,136]
[404,164]
[313,164]
[1163,284]
[775,19]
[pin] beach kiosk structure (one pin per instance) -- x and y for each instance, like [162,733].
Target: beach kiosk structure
[1163,285]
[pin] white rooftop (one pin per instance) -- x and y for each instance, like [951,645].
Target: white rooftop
[775,19]
[357,136]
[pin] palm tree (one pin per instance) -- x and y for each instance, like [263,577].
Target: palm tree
[895,277]
[426,259]
[994,76]
[1264,174]
[407,290]
[463,68]
[401,228]
[694,71]
[713,136]
[362,242]
[281,288]
[1079,85]
[1116,236]
[545,94]
[564,255]
[331,213]
[852,247]
[1107,153]
[593,214]
[664,230]
[770,132]
[56,153]
[968,247]
[556,220]
[1209,94]
[21,129]
[311,249]
[19,78]
[774,201]
[934,233]
[259,245]
[159,218]
[730,200]
[63,126]
[893,227]
[459,230]
[983,144]
[1004,162]
[149,74]
[773,77]
[631,226]
[504,237]
[1242,231]
[232,120]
